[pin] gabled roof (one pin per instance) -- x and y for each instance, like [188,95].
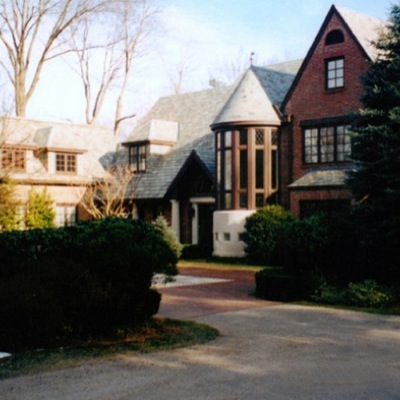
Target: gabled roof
[256,98]
[362,28]
[365,28]
[95,144]
[193,112]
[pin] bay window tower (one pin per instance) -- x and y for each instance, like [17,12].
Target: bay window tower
[246,156]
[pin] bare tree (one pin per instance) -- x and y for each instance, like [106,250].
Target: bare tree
[31,35]
[227,71]
[107,48]
[138,20]
[99,65]
[178,73]
[106,198]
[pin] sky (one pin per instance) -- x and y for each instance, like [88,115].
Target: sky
[207,35]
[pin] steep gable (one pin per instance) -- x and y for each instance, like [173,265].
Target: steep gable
[193,113]
[360,28]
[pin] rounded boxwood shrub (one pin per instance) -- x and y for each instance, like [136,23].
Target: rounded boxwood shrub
[264,235]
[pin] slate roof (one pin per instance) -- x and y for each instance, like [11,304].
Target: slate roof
[256,97]
[195,112]
[322,177]
[365,30]
[364,27]
[96,146]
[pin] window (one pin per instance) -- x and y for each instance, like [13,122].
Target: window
[246,161]
[327,144]
[335,73]
[224,169]
[13,159]
[227,237]
[334,37]
[138,158]
[65,215]
[66,163]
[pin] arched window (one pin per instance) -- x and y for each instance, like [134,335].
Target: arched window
[334,37]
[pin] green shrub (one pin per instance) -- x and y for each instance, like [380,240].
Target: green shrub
[86,280]
[40,212]
[8,214]
[161,226]
[196,252]
[330,294]
[322,247]
[264,235]
[368,293]
[276,285]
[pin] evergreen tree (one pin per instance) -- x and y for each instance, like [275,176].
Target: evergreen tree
[8,209]
[375,183]
[40,212]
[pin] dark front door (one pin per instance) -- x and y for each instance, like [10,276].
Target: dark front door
[205,226]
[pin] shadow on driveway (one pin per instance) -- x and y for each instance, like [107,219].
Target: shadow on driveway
[232,290]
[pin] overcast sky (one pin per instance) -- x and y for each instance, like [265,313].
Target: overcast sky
[206,34]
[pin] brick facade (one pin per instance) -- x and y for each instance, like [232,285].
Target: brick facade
[310,100]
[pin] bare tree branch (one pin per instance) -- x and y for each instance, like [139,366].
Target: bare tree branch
[107,198]
[29,32]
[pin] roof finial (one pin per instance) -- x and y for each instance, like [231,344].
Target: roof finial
[251,58]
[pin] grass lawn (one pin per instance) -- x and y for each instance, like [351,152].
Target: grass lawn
[231,264]
[158,334]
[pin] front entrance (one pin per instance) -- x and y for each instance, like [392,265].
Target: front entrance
[205,226]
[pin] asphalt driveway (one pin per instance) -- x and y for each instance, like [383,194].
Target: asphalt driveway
[265,351]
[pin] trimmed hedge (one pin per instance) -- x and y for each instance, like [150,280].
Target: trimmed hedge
[277,285]
[82,281]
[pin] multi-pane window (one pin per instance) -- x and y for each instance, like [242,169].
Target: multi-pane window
[65,215]
[66,163]
[138,158]
[335,73]
[13,159]
[246,167]
[327,144]
[224,169]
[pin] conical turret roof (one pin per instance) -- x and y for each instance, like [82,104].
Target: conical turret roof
[250,102]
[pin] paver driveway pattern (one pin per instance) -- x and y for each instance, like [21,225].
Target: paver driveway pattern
[233,290]
[279,351]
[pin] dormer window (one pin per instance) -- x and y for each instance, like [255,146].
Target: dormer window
[334,37]
[138,157]
[335,73]
[66,163]
[13,159]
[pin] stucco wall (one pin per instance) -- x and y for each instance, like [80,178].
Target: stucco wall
[227,227]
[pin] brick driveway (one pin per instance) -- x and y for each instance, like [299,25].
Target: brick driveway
[234,292]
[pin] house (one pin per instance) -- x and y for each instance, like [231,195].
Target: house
[173,152]
[207,160]
[315,142]
[63,158]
